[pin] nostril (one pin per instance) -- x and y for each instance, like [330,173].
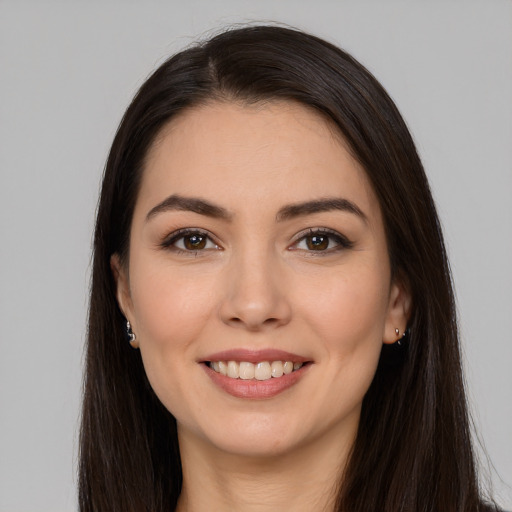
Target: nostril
[253,324]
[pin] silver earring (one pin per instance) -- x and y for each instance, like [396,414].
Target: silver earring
[395,354]
[131,335]
[401,339]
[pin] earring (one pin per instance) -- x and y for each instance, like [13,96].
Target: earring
[131,335]
[395,354]
[401,338]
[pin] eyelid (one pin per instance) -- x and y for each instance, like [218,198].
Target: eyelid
[342,241]
[169,240]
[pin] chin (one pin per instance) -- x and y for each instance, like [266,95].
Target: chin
[252,435]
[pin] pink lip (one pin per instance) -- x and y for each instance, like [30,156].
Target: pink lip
[255,356]
[255,389]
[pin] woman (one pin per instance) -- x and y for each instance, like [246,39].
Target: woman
[267,243]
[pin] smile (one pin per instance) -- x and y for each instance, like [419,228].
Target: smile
[255,374]
[263,370]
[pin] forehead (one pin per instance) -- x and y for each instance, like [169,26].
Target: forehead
[281,152]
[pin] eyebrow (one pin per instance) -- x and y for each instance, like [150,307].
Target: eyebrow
[202,207]
[190,204]
[320,205]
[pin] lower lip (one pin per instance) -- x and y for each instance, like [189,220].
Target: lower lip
[255,389]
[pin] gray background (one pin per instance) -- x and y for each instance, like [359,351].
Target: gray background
[69,69]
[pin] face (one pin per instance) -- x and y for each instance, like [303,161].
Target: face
[258,281]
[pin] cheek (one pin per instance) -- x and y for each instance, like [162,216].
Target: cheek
[348,314]
[172,313]
[169,308]
[350,320]
[350,306]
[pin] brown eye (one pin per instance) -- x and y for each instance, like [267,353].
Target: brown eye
[190,241]
[322,241]
[195,242]
[317,242]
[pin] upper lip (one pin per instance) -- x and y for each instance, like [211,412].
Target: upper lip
[255,356]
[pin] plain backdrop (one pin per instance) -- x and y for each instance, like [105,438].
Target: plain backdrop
[67,72]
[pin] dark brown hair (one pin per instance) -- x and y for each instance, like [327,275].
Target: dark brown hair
[413,450]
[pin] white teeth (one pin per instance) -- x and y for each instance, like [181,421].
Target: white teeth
[277,369]
[264,370]
[233,369]
[246,371]
[287,367]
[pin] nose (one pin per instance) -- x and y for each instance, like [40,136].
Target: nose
[256,297]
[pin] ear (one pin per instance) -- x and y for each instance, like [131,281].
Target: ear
[399,310]
[123,295]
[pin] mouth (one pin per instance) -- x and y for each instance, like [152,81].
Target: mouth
[263,370]
[260,374]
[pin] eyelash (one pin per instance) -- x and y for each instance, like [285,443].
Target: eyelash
[341,242]
[173,238]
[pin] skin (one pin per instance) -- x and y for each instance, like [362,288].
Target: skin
[258,284]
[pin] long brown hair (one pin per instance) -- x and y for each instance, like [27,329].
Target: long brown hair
[413,450]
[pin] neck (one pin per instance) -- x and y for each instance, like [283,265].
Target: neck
[304,480]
